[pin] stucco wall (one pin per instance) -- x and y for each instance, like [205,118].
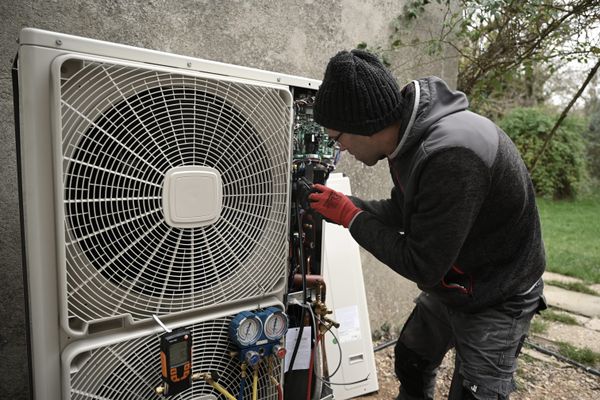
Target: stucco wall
[294,37]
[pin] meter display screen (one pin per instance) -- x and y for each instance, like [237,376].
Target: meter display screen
[178,353]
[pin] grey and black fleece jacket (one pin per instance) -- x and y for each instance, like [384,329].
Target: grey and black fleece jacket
[461,221]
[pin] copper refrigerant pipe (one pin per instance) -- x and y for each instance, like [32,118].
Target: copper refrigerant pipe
[312,281]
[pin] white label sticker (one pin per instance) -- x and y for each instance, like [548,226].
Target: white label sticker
[303,356]
[349,329]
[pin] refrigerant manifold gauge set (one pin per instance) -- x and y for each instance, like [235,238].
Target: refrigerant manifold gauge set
[258,334]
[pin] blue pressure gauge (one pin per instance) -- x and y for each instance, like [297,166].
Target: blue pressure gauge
[245,329]
[275,323]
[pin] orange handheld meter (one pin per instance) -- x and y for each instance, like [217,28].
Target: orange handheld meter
[176,361]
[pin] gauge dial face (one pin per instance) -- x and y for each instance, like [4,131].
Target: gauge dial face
[249,330]
[276,325]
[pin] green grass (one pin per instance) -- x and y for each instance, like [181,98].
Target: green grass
[584,356]
[550,315]
[573,286]
[538,325]
[571,231]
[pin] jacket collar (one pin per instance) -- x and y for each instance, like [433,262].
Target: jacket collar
[411,121]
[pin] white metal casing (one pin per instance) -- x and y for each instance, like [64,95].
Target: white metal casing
[347,299]
[37,53]
[41,56]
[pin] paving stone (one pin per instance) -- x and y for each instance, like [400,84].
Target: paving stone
[581,320]
[593,323]
[540,356]
[553,276]
[578,336]
[575,302]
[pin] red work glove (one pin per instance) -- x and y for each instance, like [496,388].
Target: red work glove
[334,206]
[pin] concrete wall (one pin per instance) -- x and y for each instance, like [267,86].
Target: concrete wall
[294,37]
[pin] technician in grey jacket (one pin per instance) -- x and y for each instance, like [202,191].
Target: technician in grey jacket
[461,222]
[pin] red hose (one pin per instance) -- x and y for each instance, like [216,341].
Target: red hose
[310,368]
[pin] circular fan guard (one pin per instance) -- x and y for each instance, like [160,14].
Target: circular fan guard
[121,256]
[131,369]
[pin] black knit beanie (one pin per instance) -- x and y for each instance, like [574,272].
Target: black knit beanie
[358,95]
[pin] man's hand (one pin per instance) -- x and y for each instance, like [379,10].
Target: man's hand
[332,205]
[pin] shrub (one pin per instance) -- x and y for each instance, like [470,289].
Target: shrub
[593,142]
[561,171]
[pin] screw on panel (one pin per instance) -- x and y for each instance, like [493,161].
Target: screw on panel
[58,42]
[189,65]
[278,79]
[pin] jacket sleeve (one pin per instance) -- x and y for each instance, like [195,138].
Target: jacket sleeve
[451,188]
[387,211]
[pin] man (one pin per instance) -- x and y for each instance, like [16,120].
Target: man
[461,222]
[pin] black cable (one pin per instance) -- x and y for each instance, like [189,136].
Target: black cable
[340,352]
[562,358]
[541,349]
[17,112]
[304,293]
[302,261]
[366,378]
[384,345]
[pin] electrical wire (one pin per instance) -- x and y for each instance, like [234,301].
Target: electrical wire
[328,382]
[539,348]
[309,308]
[366,378]
[314,350]
[339,346]
[304,292]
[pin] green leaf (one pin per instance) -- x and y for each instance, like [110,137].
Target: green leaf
[361,45]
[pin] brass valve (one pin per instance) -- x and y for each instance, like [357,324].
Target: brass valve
[322,311]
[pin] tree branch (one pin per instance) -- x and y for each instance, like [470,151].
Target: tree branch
[563,115]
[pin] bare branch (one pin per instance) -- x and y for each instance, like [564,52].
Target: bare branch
[563,115]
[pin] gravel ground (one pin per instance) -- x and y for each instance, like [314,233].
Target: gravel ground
[538,378]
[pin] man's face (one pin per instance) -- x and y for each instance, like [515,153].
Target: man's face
[364,148]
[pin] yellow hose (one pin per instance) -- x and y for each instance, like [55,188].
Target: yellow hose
[221,390]
[255,383]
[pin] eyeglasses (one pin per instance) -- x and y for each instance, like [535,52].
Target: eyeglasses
[334,140]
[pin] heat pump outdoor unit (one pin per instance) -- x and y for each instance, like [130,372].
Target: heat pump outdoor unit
[151,185]
[166,225]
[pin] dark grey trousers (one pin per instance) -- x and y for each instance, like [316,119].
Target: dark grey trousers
[487,344]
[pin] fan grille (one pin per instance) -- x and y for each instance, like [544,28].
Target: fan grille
[123,128]
[132,369]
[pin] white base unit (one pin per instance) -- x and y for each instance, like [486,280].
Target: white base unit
[346,297]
